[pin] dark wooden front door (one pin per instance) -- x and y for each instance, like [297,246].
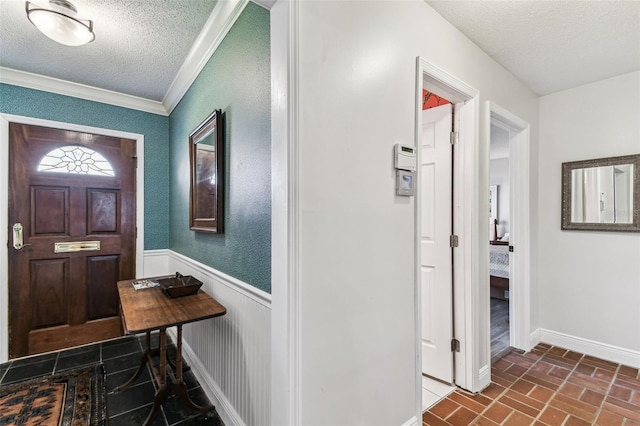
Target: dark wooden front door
[70,192]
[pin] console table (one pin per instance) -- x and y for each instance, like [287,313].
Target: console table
[147,310]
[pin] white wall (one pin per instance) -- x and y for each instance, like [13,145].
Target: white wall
[589,281]
[357,99]
[499,175]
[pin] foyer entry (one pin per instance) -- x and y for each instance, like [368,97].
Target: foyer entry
[72,216]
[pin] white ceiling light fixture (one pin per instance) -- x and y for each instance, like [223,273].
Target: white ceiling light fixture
[60,24]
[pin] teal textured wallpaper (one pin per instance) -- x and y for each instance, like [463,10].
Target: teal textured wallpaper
[236,80]
[155,128]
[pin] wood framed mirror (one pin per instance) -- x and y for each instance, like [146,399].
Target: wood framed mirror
[206,157]
[602,194]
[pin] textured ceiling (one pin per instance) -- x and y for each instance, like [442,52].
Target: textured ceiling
[141,44]
[139,47]
[552,45]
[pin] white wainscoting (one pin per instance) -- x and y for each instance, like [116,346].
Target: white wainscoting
[229,355]
[588,347]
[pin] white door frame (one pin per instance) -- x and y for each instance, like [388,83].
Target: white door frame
[286,362]
[5,119]
[466,225]
[520,234]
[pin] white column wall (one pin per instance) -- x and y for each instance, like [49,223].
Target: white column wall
[356,100]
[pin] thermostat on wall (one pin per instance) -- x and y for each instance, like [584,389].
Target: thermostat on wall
[405,157]
[405,182]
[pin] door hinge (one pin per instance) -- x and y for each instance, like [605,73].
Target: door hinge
[453,241]
[454,138]
[511,249]
[135,162]
[455,345]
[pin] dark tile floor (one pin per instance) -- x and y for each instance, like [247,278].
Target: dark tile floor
[121,358]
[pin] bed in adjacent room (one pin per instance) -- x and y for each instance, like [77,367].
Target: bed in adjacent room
[499,269]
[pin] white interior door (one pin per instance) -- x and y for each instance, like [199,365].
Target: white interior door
[435,251]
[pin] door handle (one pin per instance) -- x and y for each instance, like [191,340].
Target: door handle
[18,242]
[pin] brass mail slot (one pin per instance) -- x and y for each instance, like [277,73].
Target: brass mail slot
[76,246]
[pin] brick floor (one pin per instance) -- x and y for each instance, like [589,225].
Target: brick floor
[547,386]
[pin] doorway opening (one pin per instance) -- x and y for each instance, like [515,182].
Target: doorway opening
[436,254]
[512,137]
[443,210]
[499,234]
[470,281]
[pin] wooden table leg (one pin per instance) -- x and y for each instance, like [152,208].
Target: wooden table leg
[179,371]
[163,357]
[163,393]
[179,387]
[179,355]
[180,390]
[143,363]
[176,385]
[160,377]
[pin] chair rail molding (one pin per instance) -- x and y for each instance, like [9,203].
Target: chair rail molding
[229,355]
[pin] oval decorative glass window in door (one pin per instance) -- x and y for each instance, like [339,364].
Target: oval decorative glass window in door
[75,159]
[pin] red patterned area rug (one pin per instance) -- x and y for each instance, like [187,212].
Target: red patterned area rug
[71,398]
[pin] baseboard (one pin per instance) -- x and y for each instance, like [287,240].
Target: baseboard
[413,421]
[484,377]
[534,338]
[601,350]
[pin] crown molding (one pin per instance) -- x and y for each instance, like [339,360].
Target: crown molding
[77,90]
[220,21]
